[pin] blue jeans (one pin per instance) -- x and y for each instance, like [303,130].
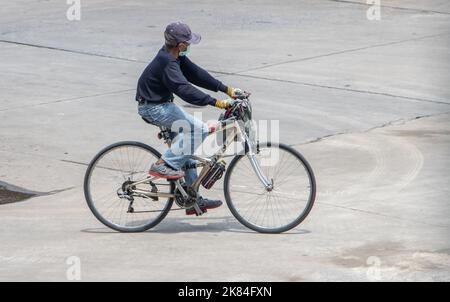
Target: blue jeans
[188,132]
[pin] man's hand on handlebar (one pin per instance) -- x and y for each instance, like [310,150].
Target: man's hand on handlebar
[237,93]
[225,104]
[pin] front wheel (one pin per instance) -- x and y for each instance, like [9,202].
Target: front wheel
[279,208]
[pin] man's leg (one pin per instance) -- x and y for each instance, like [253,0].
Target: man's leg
[162,115]
[193,132]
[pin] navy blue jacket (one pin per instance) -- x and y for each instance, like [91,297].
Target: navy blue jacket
[166,75]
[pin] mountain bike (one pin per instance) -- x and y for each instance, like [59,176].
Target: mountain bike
[268,187]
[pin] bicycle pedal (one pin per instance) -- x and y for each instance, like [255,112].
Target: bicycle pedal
[202,212]
[198,212]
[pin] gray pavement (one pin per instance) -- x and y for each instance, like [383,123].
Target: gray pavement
[367,103]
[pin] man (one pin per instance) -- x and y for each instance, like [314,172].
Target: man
[171,72]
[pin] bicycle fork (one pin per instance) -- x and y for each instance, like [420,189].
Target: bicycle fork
[268,185]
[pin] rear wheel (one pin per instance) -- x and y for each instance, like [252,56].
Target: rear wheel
[106,180]
[278,209]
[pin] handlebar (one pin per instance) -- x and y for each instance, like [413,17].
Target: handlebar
[244,95]
[241,107]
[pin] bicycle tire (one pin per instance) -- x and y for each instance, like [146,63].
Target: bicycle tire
[281,229]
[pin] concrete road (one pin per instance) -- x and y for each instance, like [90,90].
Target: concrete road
[366,101]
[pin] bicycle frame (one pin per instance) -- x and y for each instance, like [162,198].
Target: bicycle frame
[233,131]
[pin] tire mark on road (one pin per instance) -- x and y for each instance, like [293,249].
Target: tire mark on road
[396,122]
[380,214]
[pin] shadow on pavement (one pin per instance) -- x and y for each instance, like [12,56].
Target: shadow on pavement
[172,225]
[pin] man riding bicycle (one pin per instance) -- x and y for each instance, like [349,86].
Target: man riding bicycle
[171,72]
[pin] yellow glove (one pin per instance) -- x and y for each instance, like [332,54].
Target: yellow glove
[234,92]
[224,104]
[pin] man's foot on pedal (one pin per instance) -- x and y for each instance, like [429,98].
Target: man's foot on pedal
[204,205]
[163,171]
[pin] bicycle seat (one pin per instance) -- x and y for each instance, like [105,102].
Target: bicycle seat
[151,123]
[165,132]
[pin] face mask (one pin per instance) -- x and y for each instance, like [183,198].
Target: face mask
[186,52]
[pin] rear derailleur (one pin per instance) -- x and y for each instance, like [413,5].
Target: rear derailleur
[125,192]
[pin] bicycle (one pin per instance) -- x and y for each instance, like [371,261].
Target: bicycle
[269,188]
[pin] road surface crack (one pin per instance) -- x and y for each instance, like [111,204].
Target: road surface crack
[396,122]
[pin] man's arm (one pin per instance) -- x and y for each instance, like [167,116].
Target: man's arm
[200,77]
[177,83]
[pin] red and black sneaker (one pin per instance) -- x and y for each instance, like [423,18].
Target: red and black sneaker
[164,171]
[204,205]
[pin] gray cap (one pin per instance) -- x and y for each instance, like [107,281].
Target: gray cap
[177,32]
